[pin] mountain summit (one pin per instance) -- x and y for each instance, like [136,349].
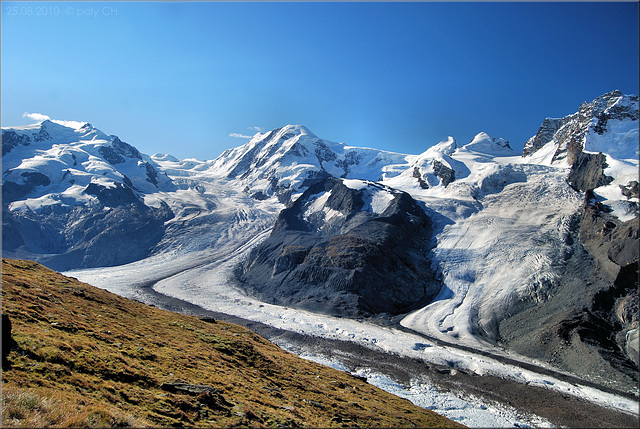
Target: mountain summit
[486,144]
[608,124]
[287,160]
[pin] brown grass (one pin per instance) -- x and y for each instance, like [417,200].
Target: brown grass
[86,357]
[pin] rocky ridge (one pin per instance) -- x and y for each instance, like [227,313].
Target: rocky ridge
[346,247]
[595,307]
[574,133]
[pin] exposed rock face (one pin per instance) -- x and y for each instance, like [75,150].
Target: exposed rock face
[587,172]
[631,189]
[589,324]
[605,236]
[345,251]
[12,191]
[544,135]
[11,139]
[66,238]
[570,133]
[416,174]
[446,174]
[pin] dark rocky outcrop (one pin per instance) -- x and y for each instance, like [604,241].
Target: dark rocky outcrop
[416,174]
[631,189]
[587,172]
[113,196]
[607,237]
[446,174]
[110,155]
[352,263]
[70,237]
[7,339]
[544,135]
[12,191]
[11,139]
[152,174]
[125,149]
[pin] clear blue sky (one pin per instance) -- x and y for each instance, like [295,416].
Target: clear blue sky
[180,78]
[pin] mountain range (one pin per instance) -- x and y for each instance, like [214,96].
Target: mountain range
[535,253]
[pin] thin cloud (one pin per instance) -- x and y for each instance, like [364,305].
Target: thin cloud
[258,129]
[239,136]
[38,117]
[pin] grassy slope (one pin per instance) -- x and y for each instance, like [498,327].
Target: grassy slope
[84,356]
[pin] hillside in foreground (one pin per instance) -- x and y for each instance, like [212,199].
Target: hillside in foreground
[85,357]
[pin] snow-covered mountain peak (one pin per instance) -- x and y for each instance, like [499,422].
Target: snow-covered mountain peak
[599,143]
[59,163]
[486,144]
[50,132]
[445,147]
[612,103]
[264,149]
[614,127]
[296,130]
[280,135]
[281,161]
[164,157]
[608,124]
[75,125]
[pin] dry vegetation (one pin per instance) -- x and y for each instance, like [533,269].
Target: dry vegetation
[86,357]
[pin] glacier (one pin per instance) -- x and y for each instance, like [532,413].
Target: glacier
[505,226]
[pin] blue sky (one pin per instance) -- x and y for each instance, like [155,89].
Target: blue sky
[181,78]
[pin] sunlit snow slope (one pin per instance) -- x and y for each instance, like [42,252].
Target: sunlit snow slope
[504,228]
